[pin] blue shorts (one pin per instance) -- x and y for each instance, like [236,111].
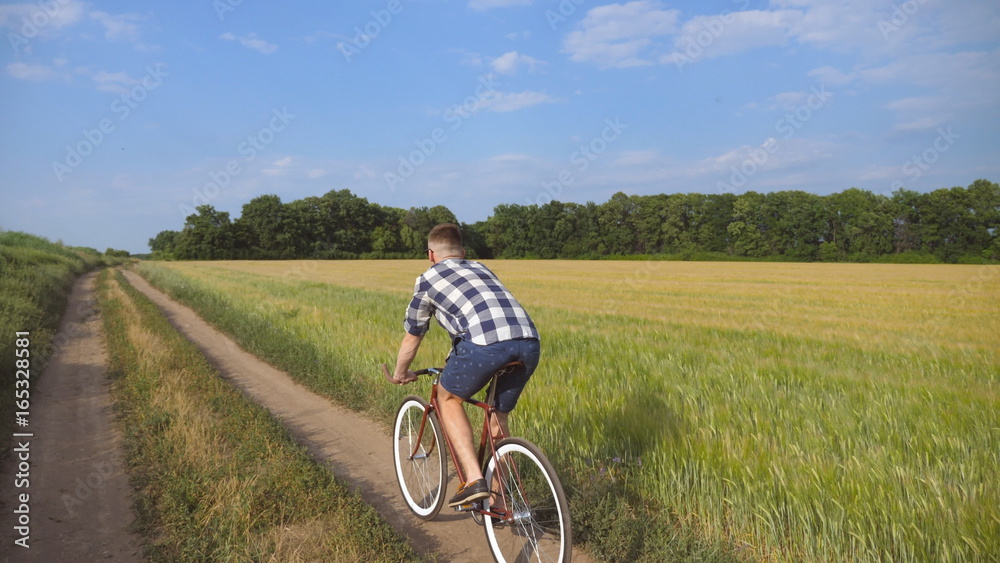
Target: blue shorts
[470,367]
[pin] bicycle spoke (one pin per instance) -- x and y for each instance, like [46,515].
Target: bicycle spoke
[536,523]
[420,463]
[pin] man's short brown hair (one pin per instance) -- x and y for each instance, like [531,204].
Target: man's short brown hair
[447,237]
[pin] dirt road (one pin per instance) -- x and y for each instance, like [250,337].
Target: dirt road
[79,505]
[357,450]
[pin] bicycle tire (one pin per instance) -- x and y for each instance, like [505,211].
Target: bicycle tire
[539,527]
[423,480]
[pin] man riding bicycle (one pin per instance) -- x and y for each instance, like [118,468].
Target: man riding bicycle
[489,329]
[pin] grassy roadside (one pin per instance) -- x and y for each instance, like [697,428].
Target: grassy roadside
[218,478]
[311,330]
[36,277]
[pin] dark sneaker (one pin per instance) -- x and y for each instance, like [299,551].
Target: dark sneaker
[469,492]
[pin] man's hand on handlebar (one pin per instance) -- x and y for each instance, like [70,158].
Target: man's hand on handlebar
[409,377]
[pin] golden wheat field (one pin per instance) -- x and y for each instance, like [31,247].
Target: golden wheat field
[821,412]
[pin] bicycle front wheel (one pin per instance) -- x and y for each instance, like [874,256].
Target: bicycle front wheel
[526,491]
[419,456]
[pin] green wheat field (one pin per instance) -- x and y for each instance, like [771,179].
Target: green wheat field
[820,412]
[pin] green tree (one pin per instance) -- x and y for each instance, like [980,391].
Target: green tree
[577,231]
[796,224]
[648,215]
[265,220]
[345,224]
[712,214]
[946,221]
[542,221]
[207,235]
[163,244]
[983,198]
[746,228]
[506,231]
[677,231]
[907,224]
[616,219]
[475,242]
[861,224]
[417,222]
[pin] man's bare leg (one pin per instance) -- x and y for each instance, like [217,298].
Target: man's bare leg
[459,430]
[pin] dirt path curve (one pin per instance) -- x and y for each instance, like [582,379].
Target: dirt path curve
[357,450]
[79,496]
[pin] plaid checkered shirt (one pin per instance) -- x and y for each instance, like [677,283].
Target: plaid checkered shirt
[468,301]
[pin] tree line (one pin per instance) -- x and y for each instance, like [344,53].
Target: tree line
[946,225]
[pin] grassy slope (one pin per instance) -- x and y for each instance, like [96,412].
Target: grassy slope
[218,479]
[802,411]
[35,280]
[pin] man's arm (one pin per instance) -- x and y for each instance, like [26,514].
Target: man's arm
[407,352]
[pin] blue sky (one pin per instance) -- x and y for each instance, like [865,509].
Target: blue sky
[119,118]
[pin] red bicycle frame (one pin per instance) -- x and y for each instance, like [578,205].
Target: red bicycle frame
[486,436]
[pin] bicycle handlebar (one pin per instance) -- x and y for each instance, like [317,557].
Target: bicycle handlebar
[425,371]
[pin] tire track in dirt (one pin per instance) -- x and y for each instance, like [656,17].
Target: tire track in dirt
[80,503]
[356,449]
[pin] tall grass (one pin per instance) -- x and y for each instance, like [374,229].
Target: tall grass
[218,479]
[799,412]
[36,276]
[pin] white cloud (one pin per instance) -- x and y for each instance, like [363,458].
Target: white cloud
[920,113]
[508,101]
[250,41]
[788,101]
[114,82]
[618,35]
[892,28]
[957,85]
[24,17]
[118,26]
[774,162]
[966,73]
[875,172]
[832,76]
[45,18]
[511,62]
[837,24]
[704,37]
[482,5]
[283,167]
[24,71]
[963,21]
[469,58]
[640,32]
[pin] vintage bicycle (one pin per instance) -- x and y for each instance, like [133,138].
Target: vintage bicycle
[526,518]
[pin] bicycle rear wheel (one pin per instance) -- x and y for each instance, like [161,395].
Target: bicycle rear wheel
[536,525]
[419,456]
